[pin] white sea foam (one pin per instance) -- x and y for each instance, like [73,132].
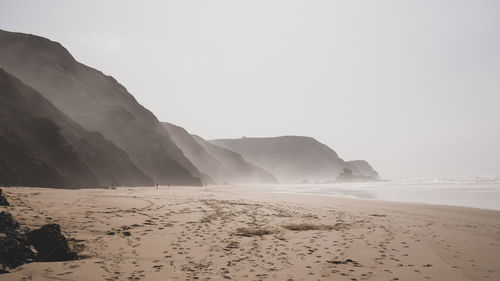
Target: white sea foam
[474,192]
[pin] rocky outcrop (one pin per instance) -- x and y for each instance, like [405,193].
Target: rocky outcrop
[3,199]
[14,251]
[19,246]
[7,222]
[348,176]
[98,103]
[50,244]
[14,244]
[294,159]
[361,168]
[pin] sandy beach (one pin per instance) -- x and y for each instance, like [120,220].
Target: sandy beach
[252,233]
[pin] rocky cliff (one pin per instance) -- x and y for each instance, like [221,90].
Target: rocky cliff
[98,103]
[294,158]
[41,146]
[219,164]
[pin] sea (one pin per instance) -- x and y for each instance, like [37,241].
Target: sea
[475,192]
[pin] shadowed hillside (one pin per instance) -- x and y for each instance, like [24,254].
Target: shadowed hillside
[97,102]
[295,158]
[40,146]
[218,163]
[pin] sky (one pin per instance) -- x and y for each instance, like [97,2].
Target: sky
[413,87]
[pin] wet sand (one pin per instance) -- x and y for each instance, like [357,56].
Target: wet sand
[251,233]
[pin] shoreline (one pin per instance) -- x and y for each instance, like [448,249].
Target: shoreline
[240,232]
[388,201]
[482,196]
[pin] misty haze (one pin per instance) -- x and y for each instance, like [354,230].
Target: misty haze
[249,140]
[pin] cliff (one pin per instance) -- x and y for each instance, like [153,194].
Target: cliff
[294,158]
[98,103]
[41,146]
[218,164]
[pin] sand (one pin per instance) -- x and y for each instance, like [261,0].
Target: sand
[250,233]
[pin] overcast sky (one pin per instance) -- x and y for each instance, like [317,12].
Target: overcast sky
[411,86]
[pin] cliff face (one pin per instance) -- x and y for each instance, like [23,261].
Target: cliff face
[98,103]
[203,161]
[238,169]
[218,164]
[361,168]
[41,146]
[293,158]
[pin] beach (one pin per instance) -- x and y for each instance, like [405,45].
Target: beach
[255,233]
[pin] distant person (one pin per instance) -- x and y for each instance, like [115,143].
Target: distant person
[156,186]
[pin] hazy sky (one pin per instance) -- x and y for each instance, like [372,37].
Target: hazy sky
[411,86]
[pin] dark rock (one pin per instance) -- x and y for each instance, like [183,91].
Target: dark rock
[15,250]
[50,244]
[3,200]
[14,245]
[7,222]
[19,245]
